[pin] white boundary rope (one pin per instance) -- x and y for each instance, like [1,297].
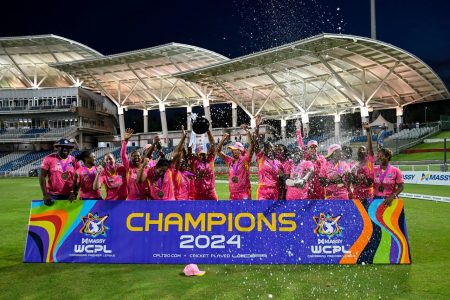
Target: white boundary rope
[425,197]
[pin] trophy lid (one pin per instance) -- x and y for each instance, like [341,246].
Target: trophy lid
[200,125]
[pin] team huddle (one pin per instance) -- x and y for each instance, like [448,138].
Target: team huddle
[297,174]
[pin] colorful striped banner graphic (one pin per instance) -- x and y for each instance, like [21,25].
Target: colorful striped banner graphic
[218,232]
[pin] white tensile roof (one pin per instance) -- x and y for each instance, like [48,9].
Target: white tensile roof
[324,74]
[321,75]
[24,60]
[143,79]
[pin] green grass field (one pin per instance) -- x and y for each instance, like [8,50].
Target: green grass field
[429,155]
[420,156]
[426,278]
[441,135]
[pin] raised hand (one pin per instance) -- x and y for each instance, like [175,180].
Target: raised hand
[298,124]
[99,169]
[258,120]
[145,161]
[244,127]
[226,136]
[184,132]
[128,133]
[366,126]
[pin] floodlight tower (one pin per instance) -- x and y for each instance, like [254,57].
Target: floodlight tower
[373,25]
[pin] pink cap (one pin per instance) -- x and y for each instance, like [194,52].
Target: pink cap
[200,149]
[333,148]
[193,270]
[312,142]
[237,146]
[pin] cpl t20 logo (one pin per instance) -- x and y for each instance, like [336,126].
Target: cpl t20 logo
[94,225]
[328,225]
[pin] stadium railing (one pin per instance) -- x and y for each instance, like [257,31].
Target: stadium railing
[42,108]
[36,134]
[408,138]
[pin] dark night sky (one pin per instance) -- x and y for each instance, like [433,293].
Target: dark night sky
[235,27]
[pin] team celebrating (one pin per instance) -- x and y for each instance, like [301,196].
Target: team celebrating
[283,174]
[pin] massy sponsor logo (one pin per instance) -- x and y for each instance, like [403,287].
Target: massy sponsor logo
[408,176]
[329,231]
[94,227]
[438,177]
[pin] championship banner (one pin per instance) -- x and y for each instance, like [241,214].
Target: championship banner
[218,232]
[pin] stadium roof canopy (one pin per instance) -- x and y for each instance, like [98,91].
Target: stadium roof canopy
[324,74]
[24,60]
[143,79]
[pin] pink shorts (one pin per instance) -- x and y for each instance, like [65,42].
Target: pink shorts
[239,195]
[267,193]
[206,196]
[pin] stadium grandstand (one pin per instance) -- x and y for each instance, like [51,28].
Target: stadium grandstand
[52,87]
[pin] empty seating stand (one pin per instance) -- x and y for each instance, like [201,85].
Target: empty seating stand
[22,161]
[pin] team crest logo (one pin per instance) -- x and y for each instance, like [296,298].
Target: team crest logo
[94,225]
[328,225]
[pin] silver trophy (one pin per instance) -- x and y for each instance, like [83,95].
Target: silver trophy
[297,182]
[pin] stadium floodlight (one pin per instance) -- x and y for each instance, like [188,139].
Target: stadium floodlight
[373,24]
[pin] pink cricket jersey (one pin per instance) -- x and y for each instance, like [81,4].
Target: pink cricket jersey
[317,191]
[287,166]
[182,182]
[59,184]
[336,191]
[240,169]
[268,186]
[295,193]
[364,168]
[86,177]
[161,188]
[392,178]
[205,179]
[136,191]
[115,181]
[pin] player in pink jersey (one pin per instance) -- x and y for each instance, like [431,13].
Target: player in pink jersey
[388,180]
[316,188]
[84,177]
[337,178]
[363,175]
[238,167]
[183,179]
[347,156]
[182,175]
[136,191]
[113,176]
[203,168]
[189,166]
[270,170]
[300,175]
[60,168]
[159,178]
[282,154]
